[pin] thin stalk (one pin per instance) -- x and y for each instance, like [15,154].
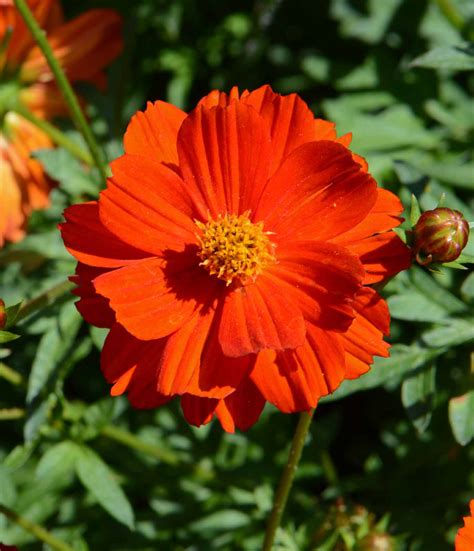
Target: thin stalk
[11,414]
[287,477]
[36,529]
[44,299]
[63,84]
[58,137]
[128,439]
[450,11]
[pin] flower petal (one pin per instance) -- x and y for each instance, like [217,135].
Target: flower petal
[83,46]
[94,308]
[224,155]
[88,240]
[295,380]
[260,315]
[146,204]
[152,298]
[154,132]
[364,338]
[382,255]
[318,193]
[288,118]
[198,411]
[322,279]
[242,408]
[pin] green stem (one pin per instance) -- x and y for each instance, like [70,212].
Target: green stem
[11,414]
[450,11]
[58,137]
[128,439]
[63,84]
[37,530]
[286,480]
[11,375]
[44,299]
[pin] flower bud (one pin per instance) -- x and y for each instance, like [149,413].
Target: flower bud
[3,315]
[440,235]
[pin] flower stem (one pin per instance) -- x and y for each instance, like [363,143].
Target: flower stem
[44,299]
[286,480]
[63,84]
[11,414]
[11,375]
[58,137]
[37,530]
[124,437]
[451,13]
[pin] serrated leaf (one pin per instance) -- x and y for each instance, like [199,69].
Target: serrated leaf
[417,397]
[100,481]
[451,58]
[6,336]
[461,417]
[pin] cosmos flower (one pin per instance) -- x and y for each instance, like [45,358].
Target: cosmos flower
[84,46]
[231,256]
[465,536]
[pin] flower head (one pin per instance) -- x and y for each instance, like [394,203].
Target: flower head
[440,235]
[465,536]
[230,257]
[84,46]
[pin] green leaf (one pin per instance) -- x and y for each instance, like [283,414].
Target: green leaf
[417,397]
[96,476]
[467,288]
[415,212]
[6,336]
[413,306]
[402,360]
[451,58]
[66,169]
[457,332]
[58,461]
[461,417]
[12,313]
[221,521]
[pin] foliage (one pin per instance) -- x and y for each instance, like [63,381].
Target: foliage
[395,442]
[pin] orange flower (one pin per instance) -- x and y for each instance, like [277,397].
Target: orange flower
[465,536]
[230,256]
[84,46]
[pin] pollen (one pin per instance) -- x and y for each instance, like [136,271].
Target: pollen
[233,247]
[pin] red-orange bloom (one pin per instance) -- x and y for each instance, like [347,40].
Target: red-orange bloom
[465,536]
[230,256]
[84,46]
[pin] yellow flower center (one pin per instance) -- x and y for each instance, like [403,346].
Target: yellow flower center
[233,247]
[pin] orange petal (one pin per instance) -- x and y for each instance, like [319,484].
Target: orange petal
[260,315]
[296,379]
[382,255]
[216,97]
[12,215]
[385,215]
[322,279]
[152,298]
[364,338]
[288,118]
[83,46]
[224,158]
[154,132]
[218,375]
[318,193]
[44,100]
[242,408]
[465,536]
[88,240]
[324,130]
[146,204]
[93,308]
[198,411]
[182,353]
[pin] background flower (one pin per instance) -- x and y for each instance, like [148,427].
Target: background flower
[84,46]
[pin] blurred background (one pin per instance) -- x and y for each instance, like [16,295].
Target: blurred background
[388,465]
